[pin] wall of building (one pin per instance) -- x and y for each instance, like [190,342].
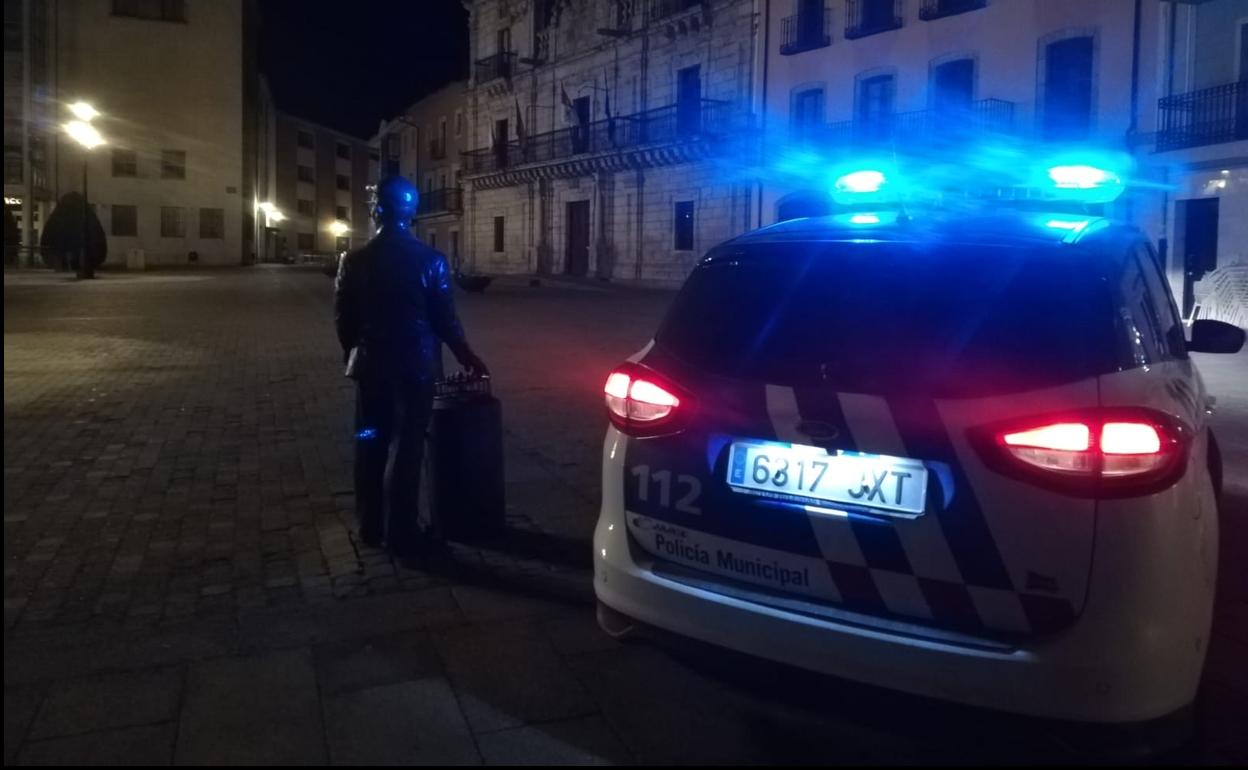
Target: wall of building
[160,85]
[322,192]
[630,211]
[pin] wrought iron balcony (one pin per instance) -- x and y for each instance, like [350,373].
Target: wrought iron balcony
[938,9]
[805,32]
[1208,116]
[869,17]
[447,200]
[499,65]
[675,123]
[661,9]
[985,116]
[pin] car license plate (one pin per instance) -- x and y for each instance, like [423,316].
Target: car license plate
[806,473]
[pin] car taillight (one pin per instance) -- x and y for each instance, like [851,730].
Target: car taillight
[638,400]
[1108,452]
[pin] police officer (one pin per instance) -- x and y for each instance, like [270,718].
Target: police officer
[392,306]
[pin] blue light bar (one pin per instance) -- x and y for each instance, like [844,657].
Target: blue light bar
[864,181]
[864,219]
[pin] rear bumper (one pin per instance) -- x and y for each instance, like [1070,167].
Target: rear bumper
[1066,677]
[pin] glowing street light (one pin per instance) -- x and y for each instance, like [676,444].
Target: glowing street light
[84,111]
[339,228]
[84,134]
[272,214]
[87,137]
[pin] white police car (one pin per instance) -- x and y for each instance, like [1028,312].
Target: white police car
[959,454]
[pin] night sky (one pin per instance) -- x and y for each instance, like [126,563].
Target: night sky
[349,63]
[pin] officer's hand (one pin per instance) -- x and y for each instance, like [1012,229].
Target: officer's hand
[474,366]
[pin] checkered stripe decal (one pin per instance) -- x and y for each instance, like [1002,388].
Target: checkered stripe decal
[943,568]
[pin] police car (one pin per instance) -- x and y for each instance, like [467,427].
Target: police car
[960,453]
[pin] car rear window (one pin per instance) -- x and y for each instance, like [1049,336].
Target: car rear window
[882,317]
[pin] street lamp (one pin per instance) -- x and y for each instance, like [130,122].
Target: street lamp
[339,228]
[86,135]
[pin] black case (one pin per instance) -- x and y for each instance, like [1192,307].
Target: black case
[465,461]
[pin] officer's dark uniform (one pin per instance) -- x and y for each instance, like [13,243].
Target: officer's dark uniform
[392,306]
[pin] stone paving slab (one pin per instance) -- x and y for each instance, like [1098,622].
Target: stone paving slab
[109,701]
[143,746]
[408,723]
[262,709]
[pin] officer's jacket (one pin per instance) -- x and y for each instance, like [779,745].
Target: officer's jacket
[393,299]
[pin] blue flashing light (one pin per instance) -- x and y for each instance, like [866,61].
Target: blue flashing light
[864,219]
[1082,177]
[366,434]
[861,182]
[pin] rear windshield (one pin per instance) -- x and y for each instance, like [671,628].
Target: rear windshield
[883,317]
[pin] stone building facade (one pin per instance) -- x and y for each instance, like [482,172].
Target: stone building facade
[610,138]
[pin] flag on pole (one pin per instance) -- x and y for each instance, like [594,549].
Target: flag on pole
[606,86]
[569,112]
[520,132]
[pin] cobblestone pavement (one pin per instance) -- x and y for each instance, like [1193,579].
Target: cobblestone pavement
[181,583]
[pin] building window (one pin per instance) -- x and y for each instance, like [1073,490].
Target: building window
[125,220]
[172,222]
[305,207]
[498,235]
[807,111]
[341,213]
[305,140]
[873,109]
[953,86]
[306,241]
[343,182]
[682,226]
[867,17]
[937,9]
[125,162]
[212,223]
[306,174]
[806,29]
[1068,89]
[459,123]
[433,240]
[153,10]
[344,151]
[173,164]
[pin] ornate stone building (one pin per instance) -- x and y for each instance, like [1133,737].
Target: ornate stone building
[611,138]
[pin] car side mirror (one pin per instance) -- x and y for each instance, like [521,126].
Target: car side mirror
[1209,336]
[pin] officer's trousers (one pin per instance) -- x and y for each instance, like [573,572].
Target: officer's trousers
[391,420]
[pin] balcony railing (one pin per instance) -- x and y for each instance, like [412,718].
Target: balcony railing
[674,123]
[437,150]
[938,9]
[446,200]
[868,17]
[805,32]
[1208,116]
[499,65]
[661,9]
[919,126]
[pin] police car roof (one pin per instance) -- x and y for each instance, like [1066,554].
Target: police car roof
[997,228]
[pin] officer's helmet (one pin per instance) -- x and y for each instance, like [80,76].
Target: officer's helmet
[396,200]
